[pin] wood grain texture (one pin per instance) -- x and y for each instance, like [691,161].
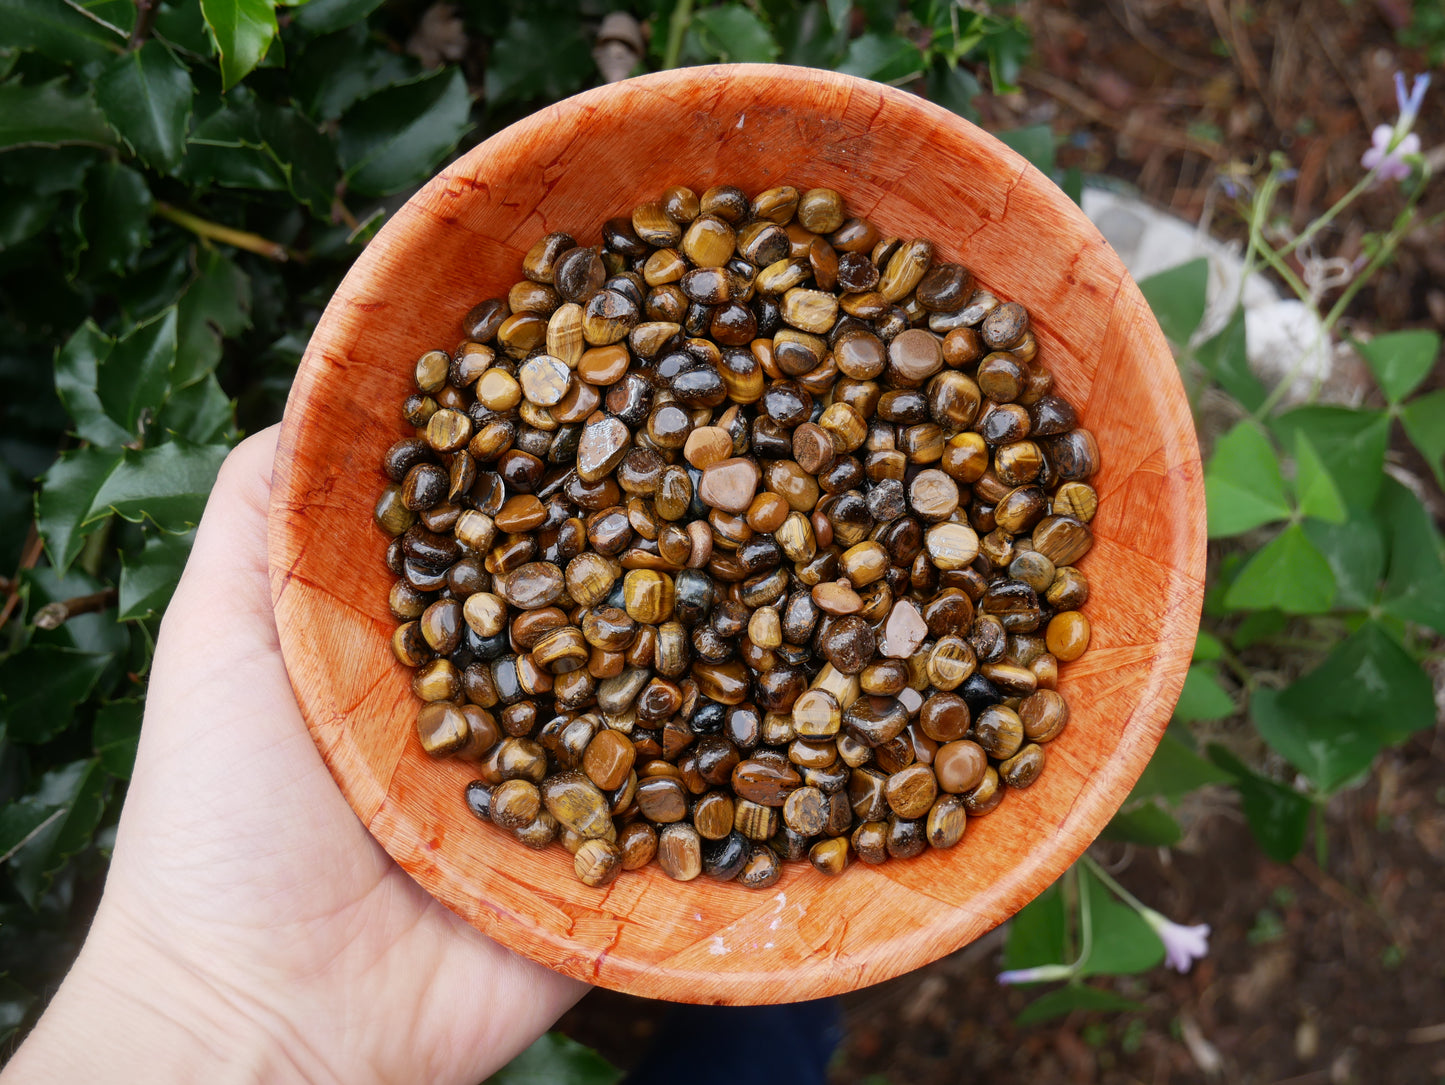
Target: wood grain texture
[917,171]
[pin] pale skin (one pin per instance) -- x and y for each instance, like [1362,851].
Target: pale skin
[251,929]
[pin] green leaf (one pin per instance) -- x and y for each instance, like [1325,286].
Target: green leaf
[340,69]
[263,147]
[15,1003]
[840,13]
[534,58]
[146,95]
[77,366]
[1355,551]
[1415,584]
[42,685]
[1008,48]
[554,1059]
[1207,647]
[1278,815]
[1225,358]
[1424,422]
[1351,444]
[887,58]
[201,413]
[181,24]
[242,31]
[954,88]
[74,796]
[114,219]
[1202,697]
[396,138]
[329,16]
[1123,943]
[1036,933]
[58,31]
[1177,297]
[733,33]
[1401,360]
[23,216]
[1073,997]
[133,379]
[1367,693]
[1288,574]
[148,579]
[1243,486]
[1036,143]
[216,306]
[1315,490]
[1258,626]
[168,485]
[116,734]
[67,492]
[50,115]
[1148,824]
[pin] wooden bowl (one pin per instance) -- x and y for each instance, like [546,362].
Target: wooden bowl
[915,170]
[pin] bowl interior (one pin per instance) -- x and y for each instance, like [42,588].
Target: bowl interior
[916,171]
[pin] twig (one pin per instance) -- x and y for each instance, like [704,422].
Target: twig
[214,231]
[29,556]
[1080,102]
[145,17]
[676,28]
[54,615]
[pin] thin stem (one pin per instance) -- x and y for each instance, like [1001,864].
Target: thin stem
[1086,925]
[54,615]
[214,231]
[676,28]
[1123,894]
[29,557]
[1329,216]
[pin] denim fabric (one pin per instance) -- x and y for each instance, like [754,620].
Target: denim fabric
[744,1045]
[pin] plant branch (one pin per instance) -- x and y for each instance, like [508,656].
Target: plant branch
[676,28]
[54,615]
[145,17]
[226,235]
[29,556]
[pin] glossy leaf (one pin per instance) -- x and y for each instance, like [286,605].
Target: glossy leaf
[1315,491]
[149,578]
[114,219]
[116,734]
[67,492]
[329,16]
[1355,551]
[1401,360]
[1278,816]
[133,379]
[1207,647]
[734,34]
[1243,486]
[840,13]
[1147,823]
[1177,297]
[1225,358]
[1415,583]
[1351,444]
[263,147]
[75,796]
[1288,574]
[1036,933]
[954,88]
[216,305]
[1122,943]
[1036,143]
[77,367]
[58,31]
[553,1059]
[533,58]
[167,484]
[1073,997]
[41,686]
[397,137]
[886,58]
[201,413]
[1007,49]
[181,25]
[50,115]
[243,31]
[340,69]
[1424,422]
[146,95]
[1330,749]
[1202,698]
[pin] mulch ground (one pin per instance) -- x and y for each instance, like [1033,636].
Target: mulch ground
[1328,974]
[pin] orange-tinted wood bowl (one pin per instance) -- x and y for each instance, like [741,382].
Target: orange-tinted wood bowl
[915,170]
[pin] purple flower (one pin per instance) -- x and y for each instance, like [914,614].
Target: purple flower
[1410,103]
[1388,156]
[1182,945]
[1042,974]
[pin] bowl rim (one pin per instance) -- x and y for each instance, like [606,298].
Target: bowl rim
[823,972]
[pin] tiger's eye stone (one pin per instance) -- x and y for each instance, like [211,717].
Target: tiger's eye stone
[1068,635]
[522,512]
[1044,714]
[597,862]
[945,717]
[679,852]
[515,804]
[946,822]
[830,856]
[911,791]
[442,728]
[604,443]
[662,799]
[816,714]
[999,731]
[875,720]
[1062,539]
[1023,768]
[764,783]
[649,596]
[849,644]
[951,545]
[837,597]
[933,495]
[806,811]
[534,585]
[729,484]
[914,356]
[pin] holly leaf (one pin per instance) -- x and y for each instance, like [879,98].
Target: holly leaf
[1177,297]
[533,58]
[42,685]
[396,138]
[216,306]
[1424,422]
[884,57]
[243,31]
[556,1058]
[77,365]
[1415,583]
[167,484]
[1243,486]
[263,147]
[50,114]
[954,88]
[1351,445]
[733,33]
[340,69]
[114,219]
[329,16]
[1035,142]
[1008,48]
[148,579]
[67,492]
[1202,698]
[59,31]
[133,379]
[1288,574]
[146,95]
[1315,491]
[73,797]
[1401,360]
[201,413]
[1278,816]
[1225,357]
[116,734]
[1073,997]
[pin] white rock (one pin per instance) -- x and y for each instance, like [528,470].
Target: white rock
[904,631]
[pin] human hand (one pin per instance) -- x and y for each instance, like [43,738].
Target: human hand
[251,928]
